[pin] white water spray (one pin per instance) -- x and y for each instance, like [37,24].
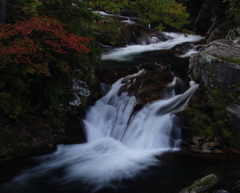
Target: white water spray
[127,53]
[119,146]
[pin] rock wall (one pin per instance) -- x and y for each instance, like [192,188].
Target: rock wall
[214,110]
[217,70]
[215,67]
[210,17]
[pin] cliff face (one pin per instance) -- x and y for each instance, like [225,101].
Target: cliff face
[212,18]
[215,109]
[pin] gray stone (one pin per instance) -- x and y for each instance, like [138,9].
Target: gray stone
[219,32]
[80,88]
[223,47]
[201,184]
[233,113]
[207,68]
[214,69]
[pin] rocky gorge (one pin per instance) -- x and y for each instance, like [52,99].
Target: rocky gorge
[213,113]
[216,68]
[212,120]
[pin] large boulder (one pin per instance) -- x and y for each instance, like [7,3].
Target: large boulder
[215,67]
[219,32]
[201,184]
[217,70]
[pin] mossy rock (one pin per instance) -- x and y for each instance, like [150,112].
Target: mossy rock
[201,184]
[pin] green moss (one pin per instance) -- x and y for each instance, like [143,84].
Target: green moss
[206,122]
[233,60]
[200,122]
[219,100]
[210,179]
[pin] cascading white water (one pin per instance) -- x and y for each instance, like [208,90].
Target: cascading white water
[128,52]
[119,144]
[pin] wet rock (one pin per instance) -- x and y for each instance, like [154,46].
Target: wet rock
[212,68]
[182,48]
[152,85]
[217,70]
[222,191]
[80,89]
[223,47]
[216,19]
[219,32]
[201,184]
[141,34]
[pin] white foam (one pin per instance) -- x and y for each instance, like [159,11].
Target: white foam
[119,146]
[128,52]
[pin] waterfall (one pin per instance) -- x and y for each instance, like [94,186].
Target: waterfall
[120,143]
[128,52]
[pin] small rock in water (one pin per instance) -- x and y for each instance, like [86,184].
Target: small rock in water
[222,191]
[201,185]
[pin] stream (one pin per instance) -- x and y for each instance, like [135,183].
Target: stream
[127,150]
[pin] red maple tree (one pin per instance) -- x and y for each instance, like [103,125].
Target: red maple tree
[36,42]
